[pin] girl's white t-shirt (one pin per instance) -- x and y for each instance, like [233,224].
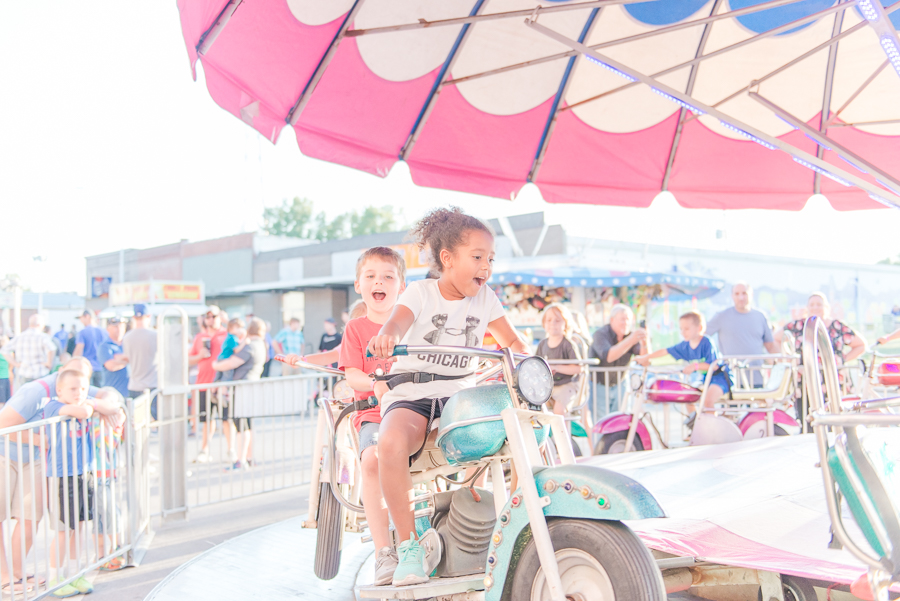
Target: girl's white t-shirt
[438,321]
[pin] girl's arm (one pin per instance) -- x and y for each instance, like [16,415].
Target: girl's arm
[645,359]
[696,366]
[505,335]
[326,358]
[892,336]
[391,332]
[857,348]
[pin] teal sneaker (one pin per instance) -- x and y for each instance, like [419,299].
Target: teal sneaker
[411,567]
[83,585]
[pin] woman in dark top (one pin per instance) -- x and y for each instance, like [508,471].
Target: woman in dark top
[558,324]
[846,343]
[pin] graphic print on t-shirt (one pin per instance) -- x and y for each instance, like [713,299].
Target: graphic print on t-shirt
[440,320]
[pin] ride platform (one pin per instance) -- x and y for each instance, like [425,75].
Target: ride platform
[436,587]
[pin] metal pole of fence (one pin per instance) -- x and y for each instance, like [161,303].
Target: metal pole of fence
[172,370]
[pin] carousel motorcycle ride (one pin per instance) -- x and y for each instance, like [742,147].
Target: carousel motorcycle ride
[560,535]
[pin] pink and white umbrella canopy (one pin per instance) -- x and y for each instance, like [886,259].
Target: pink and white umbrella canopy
[476,99]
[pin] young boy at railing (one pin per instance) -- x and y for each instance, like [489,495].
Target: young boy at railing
[455,309]
[700,353]
[106,453]
[70,483]
[559,325]
[380,278]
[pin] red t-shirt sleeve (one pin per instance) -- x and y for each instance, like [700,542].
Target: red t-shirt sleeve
[352,351]
[195,346]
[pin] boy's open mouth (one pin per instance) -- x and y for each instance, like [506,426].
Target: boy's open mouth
[378,295]
[480,281]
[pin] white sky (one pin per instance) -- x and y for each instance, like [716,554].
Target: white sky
[107,143]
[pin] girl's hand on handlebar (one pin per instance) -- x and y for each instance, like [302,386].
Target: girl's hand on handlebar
[644,360]
[382,346]
[689,368]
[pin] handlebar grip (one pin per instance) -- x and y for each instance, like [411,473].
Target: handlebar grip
[281,358]
[399,351]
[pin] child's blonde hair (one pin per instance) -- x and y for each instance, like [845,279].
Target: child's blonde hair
[236,322]
[565,315]
[358,309]
[695,317]
[388,255]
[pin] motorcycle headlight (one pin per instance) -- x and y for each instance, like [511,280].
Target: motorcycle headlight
[534,381]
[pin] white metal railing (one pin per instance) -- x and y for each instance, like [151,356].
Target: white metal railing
[260,436]
[73,500]
[608,387]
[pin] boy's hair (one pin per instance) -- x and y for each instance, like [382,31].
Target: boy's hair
[357,309]
[695,317]
[388,255]
[235,322]
[257,327]
[445,229]
[68,373]
[564,313]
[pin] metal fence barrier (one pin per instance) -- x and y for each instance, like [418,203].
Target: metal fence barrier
[73,499]
[258,437]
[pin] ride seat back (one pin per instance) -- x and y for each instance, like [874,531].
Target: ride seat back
[777,387]
[867,476]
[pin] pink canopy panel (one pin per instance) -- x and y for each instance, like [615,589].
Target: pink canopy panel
[476,99]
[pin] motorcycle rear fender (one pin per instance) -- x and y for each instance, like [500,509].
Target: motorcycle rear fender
[779,416]
[581,492]
[620,422]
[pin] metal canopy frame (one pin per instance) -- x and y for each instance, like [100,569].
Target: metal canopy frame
[809,160]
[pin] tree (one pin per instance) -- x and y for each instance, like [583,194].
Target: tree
[373,220]
[293,218]
[890,261]
[297,219]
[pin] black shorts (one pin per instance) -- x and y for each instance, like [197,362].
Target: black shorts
[422,407]
[70,488]
[204,412]
[242,423]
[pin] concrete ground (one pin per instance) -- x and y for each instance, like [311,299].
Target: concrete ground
[177,542]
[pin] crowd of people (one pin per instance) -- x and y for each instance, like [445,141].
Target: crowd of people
[122,356]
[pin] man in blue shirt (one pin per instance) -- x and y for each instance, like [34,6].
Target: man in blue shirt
[86,344]
[62,336]
[109,354]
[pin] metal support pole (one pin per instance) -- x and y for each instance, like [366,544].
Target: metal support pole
[172,366]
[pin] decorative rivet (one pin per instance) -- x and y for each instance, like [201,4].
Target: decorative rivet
[568,486]
[492,559]
[586,492]
[550,486]
[516,500]
[603,502]
[488,583]
[504,518]
[497,538]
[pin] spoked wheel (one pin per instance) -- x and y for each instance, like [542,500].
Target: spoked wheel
[614,442]
[598,561]
[330,535]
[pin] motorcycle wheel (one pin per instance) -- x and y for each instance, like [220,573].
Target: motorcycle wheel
[796,589]
[598,560]
[614,442]
[330,535]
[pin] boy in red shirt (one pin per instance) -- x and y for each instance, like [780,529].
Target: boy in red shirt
[380,278]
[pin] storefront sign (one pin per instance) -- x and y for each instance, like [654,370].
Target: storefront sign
[156,292]
[412,256]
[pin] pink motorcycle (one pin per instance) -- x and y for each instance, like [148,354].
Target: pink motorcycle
[748,413]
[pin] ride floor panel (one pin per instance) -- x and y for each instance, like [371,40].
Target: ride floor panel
[274,562]
[757,504]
